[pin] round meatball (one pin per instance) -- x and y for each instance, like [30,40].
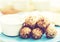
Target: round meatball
[51,31]
[43,22]
[37,33]
[25,32]
[30,21]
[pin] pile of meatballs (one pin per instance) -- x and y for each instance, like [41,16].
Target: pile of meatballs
[36,28]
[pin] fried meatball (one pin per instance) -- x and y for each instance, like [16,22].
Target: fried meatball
[30,21]
[43,22]
[27,25]
[25,32]
[51,32]
[37,33]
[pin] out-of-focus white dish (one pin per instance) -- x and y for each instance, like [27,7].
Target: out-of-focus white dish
[11,24]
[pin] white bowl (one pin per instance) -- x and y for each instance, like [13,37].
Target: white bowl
[11,24]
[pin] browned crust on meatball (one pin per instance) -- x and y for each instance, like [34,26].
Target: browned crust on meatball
[43,22]
[51,32]
[25,32]
[30,21]
[36,33]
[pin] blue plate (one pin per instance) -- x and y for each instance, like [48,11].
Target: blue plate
[43,39]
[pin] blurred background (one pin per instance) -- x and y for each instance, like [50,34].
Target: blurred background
[47,6]
[27,5]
